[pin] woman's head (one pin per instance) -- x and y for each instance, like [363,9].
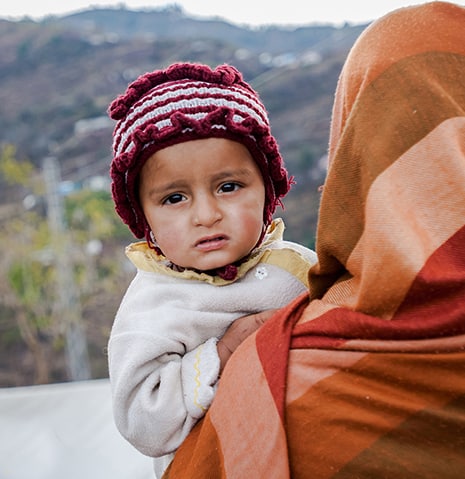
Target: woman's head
[394,190]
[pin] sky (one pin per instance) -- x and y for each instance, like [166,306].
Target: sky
[242,12]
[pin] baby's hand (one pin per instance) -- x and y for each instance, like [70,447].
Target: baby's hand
[238,331]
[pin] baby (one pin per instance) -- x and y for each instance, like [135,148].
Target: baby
[197,174]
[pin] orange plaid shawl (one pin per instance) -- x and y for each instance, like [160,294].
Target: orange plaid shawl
[367,380]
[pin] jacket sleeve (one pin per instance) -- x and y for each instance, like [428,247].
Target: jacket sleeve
[160,385]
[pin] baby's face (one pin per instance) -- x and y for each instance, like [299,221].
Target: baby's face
[204,201]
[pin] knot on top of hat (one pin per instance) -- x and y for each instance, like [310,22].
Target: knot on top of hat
[222,74]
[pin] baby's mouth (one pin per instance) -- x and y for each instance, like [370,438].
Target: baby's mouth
[212,242]
[208,240]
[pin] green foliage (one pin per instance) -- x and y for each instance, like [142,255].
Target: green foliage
[22,280]
[13,171]
[37,258]
[91,215]
[31,280]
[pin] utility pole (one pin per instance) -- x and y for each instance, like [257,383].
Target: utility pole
[68,307]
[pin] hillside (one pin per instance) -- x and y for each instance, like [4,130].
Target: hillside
[57,77]
[62,70]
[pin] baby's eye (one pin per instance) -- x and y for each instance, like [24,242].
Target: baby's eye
[229,187]
[173,199]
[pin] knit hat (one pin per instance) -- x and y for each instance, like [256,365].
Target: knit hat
[188,101]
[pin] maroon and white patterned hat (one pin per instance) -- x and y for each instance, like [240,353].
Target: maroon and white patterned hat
[188,101]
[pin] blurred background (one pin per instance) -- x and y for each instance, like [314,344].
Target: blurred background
[62,265]
[63,259]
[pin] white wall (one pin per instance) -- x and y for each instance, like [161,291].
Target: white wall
[65,431]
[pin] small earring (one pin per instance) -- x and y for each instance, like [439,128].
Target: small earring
[152,238]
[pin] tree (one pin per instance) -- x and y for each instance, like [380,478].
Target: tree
[31,300]
[27,277]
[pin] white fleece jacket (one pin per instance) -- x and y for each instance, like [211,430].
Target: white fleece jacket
[163,361]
